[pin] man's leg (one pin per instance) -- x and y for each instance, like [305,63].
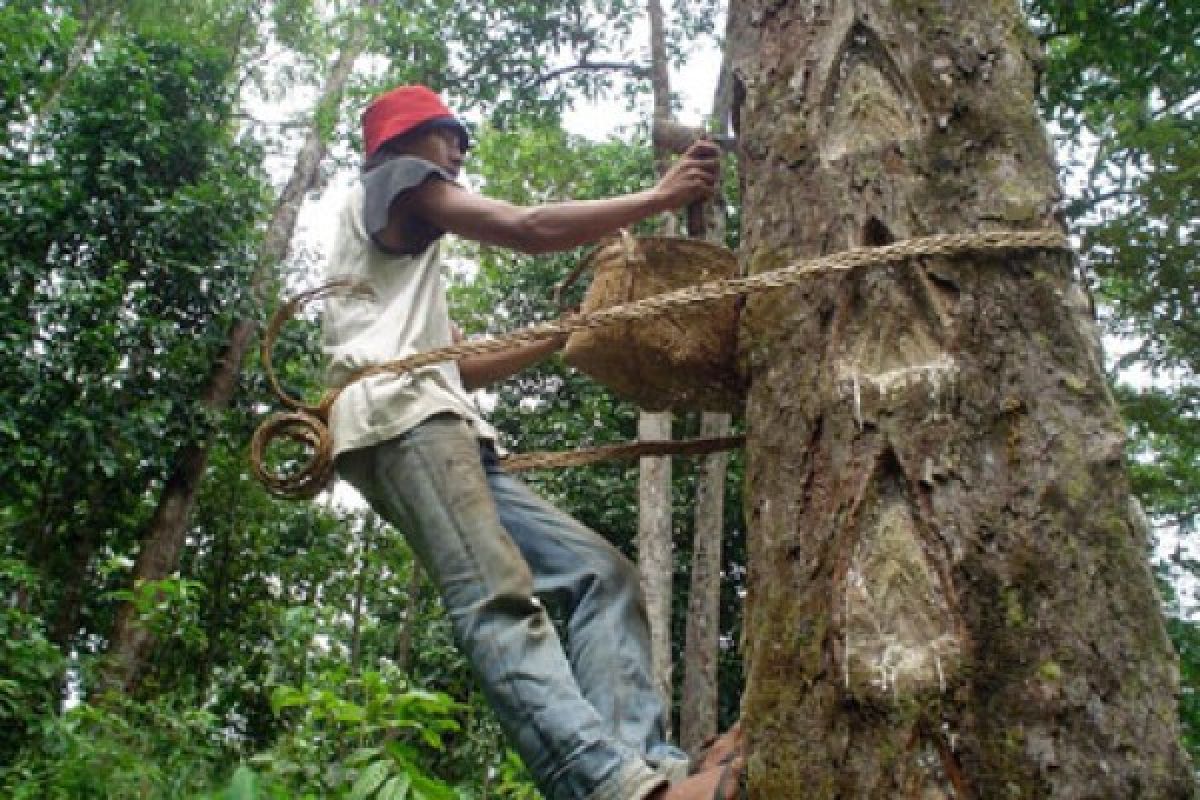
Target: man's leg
[598,590]
[430,484]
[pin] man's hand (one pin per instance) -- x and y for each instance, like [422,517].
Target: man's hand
[693,177]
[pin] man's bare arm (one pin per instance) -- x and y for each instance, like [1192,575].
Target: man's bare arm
[561,226]
[484,369]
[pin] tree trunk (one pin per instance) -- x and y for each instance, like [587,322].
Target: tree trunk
[698,706]
[163,540]
[94,19]
[655,550]
[403,650]
[370,527]
[949,595]
[700,698]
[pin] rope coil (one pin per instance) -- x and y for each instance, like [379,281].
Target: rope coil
[307,424]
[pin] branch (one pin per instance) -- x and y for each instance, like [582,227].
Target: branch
[1045,37]
[639,70]
[1181,107]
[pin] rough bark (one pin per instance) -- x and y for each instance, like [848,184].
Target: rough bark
[949,594]
[163,539]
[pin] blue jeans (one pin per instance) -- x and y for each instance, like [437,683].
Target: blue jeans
[587,721]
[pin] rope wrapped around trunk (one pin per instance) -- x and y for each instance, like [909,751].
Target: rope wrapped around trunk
[306,424]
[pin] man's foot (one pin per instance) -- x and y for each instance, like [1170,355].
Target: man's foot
[720,783]
[719,750]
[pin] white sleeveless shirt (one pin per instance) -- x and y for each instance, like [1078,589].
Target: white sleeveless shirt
[406,315]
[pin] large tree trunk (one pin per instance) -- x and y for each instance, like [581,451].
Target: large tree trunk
[163,539]
[949,594]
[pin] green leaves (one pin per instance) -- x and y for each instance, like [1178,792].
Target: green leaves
[243,786]
[369,732]
[371,779]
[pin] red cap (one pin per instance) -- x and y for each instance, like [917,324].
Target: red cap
[400,111]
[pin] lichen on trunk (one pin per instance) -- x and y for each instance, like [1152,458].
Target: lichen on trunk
[949,590]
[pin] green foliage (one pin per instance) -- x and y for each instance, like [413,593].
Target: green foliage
[167,608]
[30,665]
[132,232]
[512,780]
[1186,637]
[357,736]
[122,749]
[34,41]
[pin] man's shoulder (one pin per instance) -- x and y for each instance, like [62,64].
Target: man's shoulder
[384,219]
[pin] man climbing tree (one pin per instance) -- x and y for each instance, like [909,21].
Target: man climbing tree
[587,719]
[949,594]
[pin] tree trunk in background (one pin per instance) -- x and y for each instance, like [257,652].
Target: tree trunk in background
[370,528]
[402,653]
[164,537]
[656,560]
[699,701]
[655,551]
[95,19]
[949,594]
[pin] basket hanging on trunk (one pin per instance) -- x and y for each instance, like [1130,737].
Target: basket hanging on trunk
[683,361]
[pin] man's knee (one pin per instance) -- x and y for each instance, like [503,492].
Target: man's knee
[611,573]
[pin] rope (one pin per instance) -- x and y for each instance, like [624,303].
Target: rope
[620,452]
[311,478]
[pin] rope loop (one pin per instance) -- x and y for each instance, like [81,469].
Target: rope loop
[310,476]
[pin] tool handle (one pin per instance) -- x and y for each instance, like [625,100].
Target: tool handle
[695,220]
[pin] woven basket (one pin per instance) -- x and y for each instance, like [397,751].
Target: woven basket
[684,361]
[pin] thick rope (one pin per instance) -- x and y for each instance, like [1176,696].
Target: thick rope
[620,452]
[312,477]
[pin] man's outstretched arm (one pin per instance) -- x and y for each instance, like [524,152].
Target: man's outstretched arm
[561,226]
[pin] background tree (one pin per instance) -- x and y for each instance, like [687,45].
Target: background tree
[656,552]
[700,695]
[162,541]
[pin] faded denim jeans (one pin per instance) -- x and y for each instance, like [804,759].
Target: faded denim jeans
[586,720]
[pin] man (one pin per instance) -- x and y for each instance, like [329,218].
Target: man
[586,719]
